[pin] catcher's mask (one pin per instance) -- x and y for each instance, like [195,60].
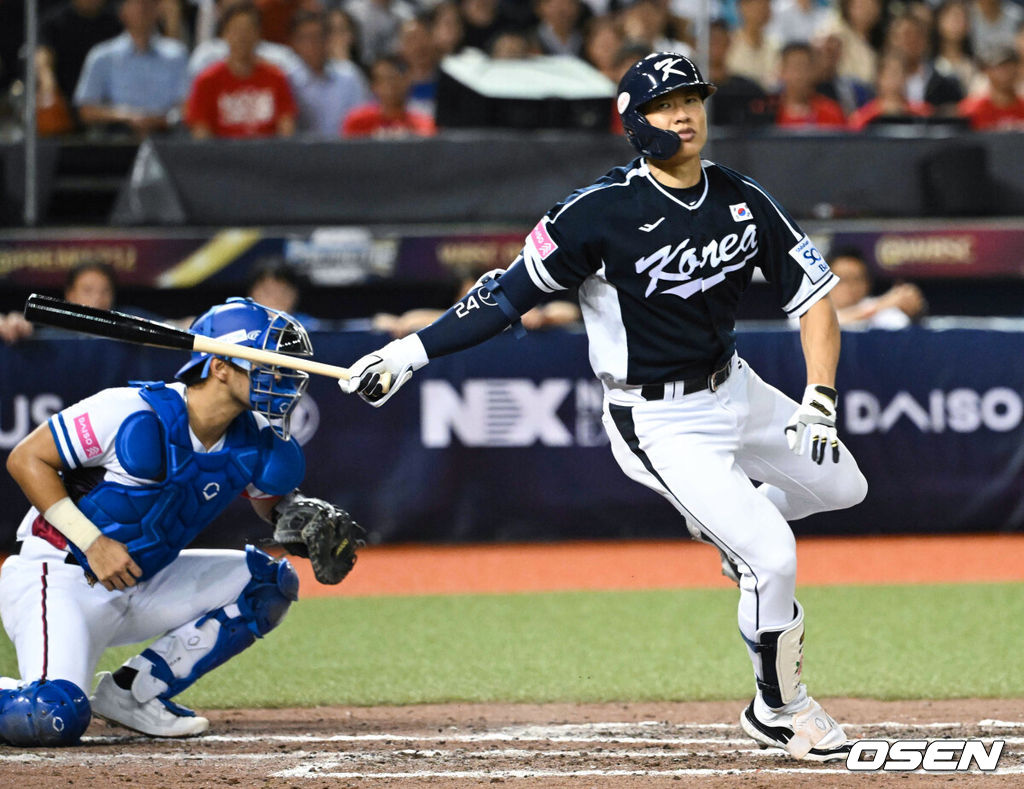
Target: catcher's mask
[657,74]
[274,391]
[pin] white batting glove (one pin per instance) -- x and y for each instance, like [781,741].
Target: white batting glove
[815,419]
[378,375]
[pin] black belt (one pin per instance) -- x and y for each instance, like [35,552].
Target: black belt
[69,559]
[689,385]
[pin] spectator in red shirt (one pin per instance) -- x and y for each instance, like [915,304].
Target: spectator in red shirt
[890,104]
[799,104]
[1001,107]
[389,116]
[241,96]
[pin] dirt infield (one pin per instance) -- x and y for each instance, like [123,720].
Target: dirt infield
[618,746]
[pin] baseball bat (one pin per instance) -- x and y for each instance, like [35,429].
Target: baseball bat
[119,326]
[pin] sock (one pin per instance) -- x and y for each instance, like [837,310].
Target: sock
[124,677]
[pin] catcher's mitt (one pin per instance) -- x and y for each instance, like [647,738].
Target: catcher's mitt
[323,533]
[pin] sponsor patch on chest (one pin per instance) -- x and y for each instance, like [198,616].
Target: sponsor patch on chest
[810,259]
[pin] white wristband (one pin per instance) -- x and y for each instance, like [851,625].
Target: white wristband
[72,523]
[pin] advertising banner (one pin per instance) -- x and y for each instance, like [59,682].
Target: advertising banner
[504,442]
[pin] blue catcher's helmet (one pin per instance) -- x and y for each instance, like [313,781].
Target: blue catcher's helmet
[44,713]
[657,74]
[274,391]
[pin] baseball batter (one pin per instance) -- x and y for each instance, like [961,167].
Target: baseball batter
[121,483]
[661,251]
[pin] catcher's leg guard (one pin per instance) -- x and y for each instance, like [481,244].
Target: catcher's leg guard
[781,650]
[44,713]
[199,647]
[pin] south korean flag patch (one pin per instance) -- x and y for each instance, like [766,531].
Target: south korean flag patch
[740,212]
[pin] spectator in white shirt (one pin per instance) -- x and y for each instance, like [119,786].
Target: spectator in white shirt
[325,90]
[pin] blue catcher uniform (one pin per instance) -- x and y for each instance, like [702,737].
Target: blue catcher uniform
[660,271]
[135,468]
[156,521]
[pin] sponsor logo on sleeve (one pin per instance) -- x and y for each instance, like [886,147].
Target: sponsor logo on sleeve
[810,259]
[87,436]
[740,212]
[542,241]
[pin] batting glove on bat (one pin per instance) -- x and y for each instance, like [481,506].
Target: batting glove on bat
[379,375]
[816,417]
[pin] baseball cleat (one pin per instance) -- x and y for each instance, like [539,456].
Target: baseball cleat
[807,733]
[156,717]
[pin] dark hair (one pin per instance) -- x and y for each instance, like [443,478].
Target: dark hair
[847,251]
[796,46]
[394,60]
[273,268]
[304,16]
[236,9]
[99,266]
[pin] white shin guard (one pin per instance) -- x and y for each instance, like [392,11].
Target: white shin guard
[781,650]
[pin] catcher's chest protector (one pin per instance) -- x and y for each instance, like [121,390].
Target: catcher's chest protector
[156,521]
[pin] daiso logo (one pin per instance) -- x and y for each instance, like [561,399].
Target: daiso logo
[86,436]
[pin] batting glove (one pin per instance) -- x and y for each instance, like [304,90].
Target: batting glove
[816,417]
[379,375]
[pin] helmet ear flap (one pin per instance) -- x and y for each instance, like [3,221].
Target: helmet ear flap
[658,144]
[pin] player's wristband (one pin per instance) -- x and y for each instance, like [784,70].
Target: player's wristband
[72,523]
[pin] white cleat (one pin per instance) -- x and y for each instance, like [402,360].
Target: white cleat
[154,717]
[808,732]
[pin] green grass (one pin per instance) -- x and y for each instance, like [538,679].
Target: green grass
[880,642]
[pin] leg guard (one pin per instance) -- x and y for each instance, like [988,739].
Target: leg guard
[781,650]
[44,713]
[199,647]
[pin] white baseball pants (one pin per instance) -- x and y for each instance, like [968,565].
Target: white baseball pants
[60,626]
[702,452]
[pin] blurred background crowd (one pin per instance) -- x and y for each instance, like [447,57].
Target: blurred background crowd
[346,68]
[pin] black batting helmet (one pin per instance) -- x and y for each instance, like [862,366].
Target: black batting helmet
[657,74]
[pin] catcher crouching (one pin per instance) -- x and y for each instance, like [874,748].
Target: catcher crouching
[120,483]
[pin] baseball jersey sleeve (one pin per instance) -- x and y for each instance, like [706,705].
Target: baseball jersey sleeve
[85,432]
[790,261]
[556,250]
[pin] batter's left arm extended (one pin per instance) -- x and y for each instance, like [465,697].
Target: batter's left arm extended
[814,422]
[819,337]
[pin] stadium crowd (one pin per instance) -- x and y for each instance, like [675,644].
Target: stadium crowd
[346,68]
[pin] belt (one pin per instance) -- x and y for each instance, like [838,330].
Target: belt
[69,559]
[687,386]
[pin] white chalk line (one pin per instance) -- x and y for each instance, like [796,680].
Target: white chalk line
[302,772]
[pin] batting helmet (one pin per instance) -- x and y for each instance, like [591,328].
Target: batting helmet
[657,74]
[274,391]
[44,713]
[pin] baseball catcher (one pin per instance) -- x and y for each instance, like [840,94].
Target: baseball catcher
[120,484]
[320,532]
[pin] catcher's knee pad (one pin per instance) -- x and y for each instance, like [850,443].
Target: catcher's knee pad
[782,658]
[44,713]
[201,646]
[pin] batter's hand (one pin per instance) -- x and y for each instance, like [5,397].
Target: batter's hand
[379,375]
[111,564]
[815,418]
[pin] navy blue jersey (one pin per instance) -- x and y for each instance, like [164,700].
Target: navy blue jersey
[660,278]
